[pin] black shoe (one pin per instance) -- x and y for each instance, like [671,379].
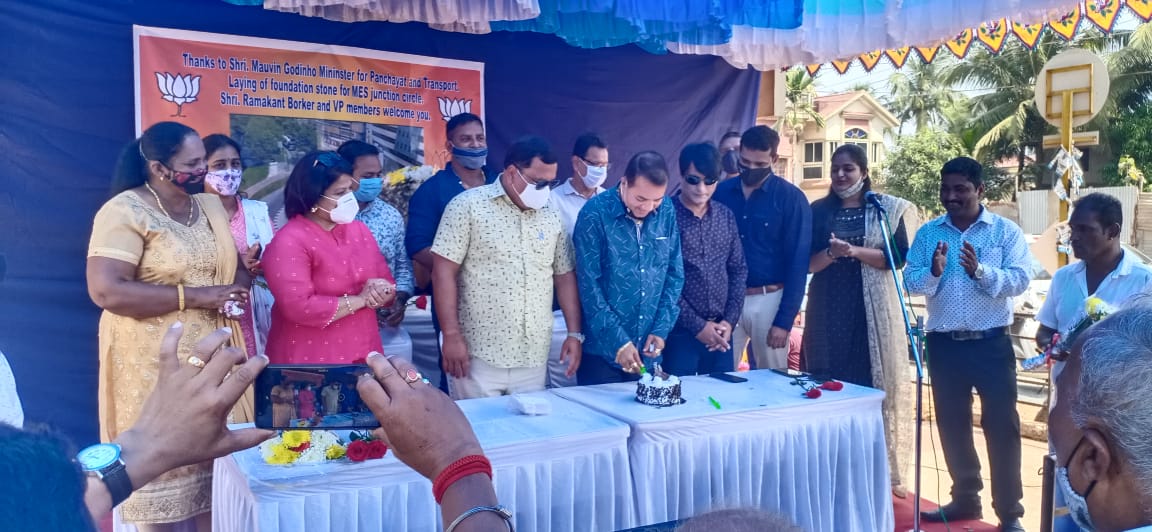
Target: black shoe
[953,511]
[1012,526]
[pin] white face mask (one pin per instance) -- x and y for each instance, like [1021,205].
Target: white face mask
[851,191]
[346,208]
[594,176]
[226,182]
[532,197]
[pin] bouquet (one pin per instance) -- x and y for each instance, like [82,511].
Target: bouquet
[1095,309]
[400,184]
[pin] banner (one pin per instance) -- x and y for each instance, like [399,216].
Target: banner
[283,99]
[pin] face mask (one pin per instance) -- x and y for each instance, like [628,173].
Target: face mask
[754,176]
[472,159]
[1077,504]
[346,209]
[532,197]
[850,191]
[225,182]
[370,188]
[594,176]
[191,182]
[731,162]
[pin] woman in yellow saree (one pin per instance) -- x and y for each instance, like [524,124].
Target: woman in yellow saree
[160,252]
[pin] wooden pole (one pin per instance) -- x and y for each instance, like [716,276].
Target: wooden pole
[1066,179]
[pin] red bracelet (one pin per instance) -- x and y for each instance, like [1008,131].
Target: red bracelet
[469,465]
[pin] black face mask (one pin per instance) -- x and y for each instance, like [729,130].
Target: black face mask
[191,182]
[751,177]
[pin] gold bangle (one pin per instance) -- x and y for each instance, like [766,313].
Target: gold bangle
[180,295]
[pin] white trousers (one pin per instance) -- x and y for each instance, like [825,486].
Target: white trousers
[396,342]
[753,329]
[484,380]
[557,369]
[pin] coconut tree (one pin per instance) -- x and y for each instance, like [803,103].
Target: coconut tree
[920,95]
[799,108]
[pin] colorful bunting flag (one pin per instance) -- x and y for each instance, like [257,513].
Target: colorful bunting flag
[813,69]
[927,53]
[870,59]
[993,33]
[960,44]
[1028,34]
[1067,25]
[1142,8]
[898,56]
[841,66]
[1102,13]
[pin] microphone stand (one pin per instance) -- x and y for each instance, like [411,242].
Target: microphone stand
[914,339]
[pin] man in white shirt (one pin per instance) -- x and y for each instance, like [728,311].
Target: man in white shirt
[970,263]
[589,171]
[1101,424]
[1105,271]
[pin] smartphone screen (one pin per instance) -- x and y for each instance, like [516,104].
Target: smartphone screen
[727,378]
[311,397]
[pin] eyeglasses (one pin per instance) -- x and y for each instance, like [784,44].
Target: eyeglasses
[695,180]
[540,185]
[590,163]
[327,159]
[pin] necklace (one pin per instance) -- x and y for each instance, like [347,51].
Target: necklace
[191,206]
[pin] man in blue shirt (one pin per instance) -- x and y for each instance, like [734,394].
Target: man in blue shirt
[775,223]
[469,148]
[629,271]
[970,263]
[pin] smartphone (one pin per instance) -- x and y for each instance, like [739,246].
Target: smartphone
[311,397]
[790,373]
[727,377]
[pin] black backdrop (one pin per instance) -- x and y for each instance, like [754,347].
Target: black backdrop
[66,87]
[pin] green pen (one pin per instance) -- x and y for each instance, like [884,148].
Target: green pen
[714,402]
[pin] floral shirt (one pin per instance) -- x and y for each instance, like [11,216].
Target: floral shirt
[387,226]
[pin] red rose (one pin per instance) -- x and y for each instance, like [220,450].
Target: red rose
[832,386]
[358,451]
[300,448]
[813,393]
[422,302]
[376,449]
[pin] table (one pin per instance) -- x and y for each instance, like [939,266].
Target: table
[820,461]
[567,471]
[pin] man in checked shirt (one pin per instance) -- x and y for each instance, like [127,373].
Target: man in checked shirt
[970,263]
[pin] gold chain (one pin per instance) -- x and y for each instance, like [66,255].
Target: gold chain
[191,206]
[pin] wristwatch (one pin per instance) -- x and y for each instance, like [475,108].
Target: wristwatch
[103,462]
[979,272]
[579,337]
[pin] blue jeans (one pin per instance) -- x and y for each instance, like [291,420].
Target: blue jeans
[685,355]
[596,369]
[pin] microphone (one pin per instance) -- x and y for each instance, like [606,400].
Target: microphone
[874,199]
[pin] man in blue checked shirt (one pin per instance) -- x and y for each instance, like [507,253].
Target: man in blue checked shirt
[629,271]
[970,263]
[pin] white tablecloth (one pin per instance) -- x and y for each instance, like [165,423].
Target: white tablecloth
[567,471]
[821,462]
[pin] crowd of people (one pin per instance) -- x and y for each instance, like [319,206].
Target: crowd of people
[537,282]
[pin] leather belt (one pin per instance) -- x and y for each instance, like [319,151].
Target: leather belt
[967,336]
[766,289]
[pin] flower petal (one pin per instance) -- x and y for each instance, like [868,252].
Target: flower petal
[195,87]
[179,87]
[161,83]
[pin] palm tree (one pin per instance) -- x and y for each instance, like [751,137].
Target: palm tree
[920,95]
[799,109]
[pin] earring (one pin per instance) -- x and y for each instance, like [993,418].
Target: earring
[313,210]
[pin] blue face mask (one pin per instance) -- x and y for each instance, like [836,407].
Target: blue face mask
[470,158]
[1077,504]
[370,188]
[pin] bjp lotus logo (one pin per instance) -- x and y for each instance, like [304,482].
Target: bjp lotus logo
[450,108]
[178,89]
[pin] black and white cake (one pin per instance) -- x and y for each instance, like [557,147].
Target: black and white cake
[658,391]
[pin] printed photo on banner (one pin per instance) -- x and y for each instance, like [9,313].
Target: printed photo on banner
[282,99]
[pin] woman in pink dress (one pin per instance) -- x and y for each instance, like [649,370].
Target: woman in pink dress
[325,270]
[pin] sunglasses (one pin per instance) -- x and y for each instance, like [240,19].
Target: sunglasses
[327,159]
[695,180]
[540,185]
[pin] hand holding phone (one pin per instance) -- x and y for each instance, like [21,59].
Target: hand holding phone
[311,397]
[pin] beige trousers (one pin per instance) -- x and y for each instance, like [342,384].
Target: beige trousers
[752,331]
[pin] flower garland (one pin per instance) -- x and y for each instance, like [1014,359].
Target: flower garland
[317,446]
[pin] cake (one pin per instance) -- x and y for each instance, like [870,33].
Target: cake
[658,390]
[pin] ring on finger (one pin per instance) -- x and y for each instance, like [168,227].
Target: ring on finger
[196,361]
[412,376]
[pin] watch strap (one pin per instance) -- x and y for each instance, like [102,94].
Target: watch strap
[116,479]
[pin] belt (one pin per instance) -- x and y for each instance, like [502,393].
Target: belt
[966,336]
[766,289]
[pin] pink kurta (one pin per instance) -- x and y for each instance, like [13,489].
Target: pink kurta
[308,271]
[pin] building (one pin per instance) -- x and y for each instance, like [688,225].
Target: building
[849,118]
